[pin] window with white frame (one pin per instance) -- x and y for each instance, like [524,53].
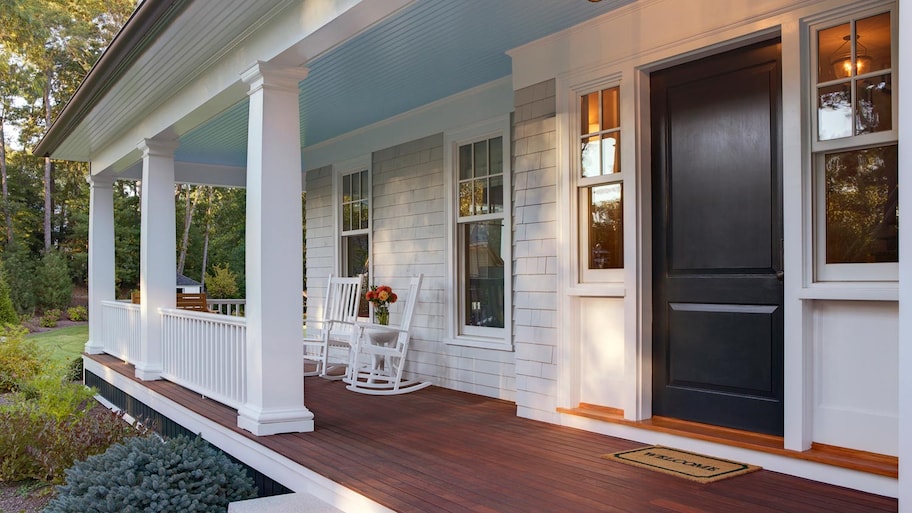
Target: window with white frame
[354,201]
[600,186]
[854,146]
[480,162]
[481,235]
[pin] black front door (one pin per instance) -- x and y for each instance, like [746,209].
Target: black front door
[717,240]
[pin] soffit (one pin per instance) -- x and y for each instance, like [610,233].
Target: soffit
[201,35]
[426,51]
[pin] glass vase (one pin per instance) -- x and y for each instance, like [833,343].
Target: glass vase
[382,315]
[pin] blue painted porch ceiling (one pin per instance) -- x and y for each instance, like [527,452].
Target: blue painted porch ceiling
[427,51]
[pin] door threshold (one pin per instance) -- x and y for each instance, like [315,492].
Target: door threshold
[862,461]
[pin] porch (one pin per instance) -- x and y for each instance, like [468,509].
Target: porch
[447,451]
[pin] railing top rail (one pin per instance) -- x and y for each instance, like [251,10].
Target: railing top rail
[125,305]
[209,317]
[227,301]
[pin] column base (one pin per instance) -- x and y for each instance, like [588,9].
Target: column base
[272,423]
[92,347]
[148,373]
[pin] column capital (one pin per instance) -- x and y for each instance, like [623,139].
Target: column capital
[158,147]
[265,74]
[100,180]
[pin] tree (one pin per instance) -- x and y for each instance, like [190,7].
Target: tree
[7,312]
[222,283]
[53,285]
[126,235]
[57,41]
[14,75]
[19,273]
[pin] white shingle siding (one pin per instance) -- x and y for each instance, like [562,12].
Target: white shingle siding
[320,236]
[408,237]
[535,250]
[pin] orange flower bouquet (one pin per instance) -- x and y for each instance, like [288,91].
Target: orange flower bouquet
[381,297]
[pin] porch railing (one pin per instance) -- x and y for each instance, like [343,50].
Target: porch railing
[206,353]
[233,307]
[121,329]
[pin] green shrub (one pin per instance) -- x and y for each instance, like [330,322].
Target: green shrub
[36,444]
[21,359]
[222,283]
[74,371]
[8,313]
[19,272]
[78,313]
[149,475]
[58,397]
[50,317]
[53,285]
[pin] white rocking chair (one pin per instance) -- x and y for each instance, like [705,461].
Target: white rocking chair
[331,347]
[379,353]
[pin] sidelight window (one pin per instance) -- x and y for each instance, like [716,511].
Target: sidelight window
[599,185]
[855,149]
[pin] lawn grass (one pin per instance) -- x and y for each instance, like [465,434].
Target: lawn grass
[63,344]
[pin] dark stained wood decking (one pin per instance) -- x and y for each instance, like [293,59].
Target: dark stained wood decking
[437,450]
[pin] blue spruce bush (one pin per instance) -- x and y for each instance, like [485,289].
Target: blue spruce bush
[146,474]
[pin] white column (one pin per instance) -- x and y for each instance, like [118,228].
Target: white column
[101,256]
[157,259]
[905,256]
[275,374]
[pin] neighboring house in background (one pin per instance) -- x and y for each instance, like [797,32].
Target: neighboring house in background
[188,285]
[622,209]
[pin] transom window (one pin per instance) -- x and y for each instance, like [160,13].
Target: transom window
[600,187]
[855,149]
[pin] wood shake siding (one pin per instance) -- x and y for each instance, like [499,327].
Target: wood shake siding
[321,237]
[535,250]
[409,237]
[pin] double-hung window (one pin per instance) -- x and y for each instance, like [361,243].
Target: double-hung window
[855,148]
[480,163]
[354,202]
[600,186]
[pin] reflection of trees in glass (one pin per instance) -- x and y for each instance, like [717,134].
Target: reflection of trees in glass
[874,105]
[355,201]
[481,177]
[355,261]
[484,270]
[606,227]
[834,112]
[861,206]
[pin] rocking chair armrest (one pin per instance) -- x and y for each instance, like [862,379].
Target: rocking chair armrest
[333,324]
[379,327]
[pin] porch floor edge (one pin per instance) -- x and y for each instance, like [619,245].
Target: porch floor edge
[294,476]
[863,462]
[443,450]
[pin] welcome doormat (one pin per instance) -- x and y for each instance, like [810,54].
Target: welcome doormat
[696,467]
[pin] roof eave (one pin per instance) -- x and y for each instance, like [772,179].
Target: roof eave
[146,23]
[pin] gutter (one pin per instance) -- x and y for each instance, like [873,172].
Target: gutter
[146,24]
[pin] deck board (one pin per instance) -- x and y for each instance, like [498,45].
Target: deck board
[438,450]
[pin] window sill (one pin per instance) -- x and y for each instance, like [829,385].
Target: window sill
[495,344]
[597,291]
[851,292]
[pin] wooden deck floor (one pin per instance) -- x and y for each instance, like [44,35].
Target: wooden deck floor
[438,450]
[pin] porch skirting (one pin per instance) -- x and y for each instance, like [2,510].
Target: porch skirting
[279,474]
